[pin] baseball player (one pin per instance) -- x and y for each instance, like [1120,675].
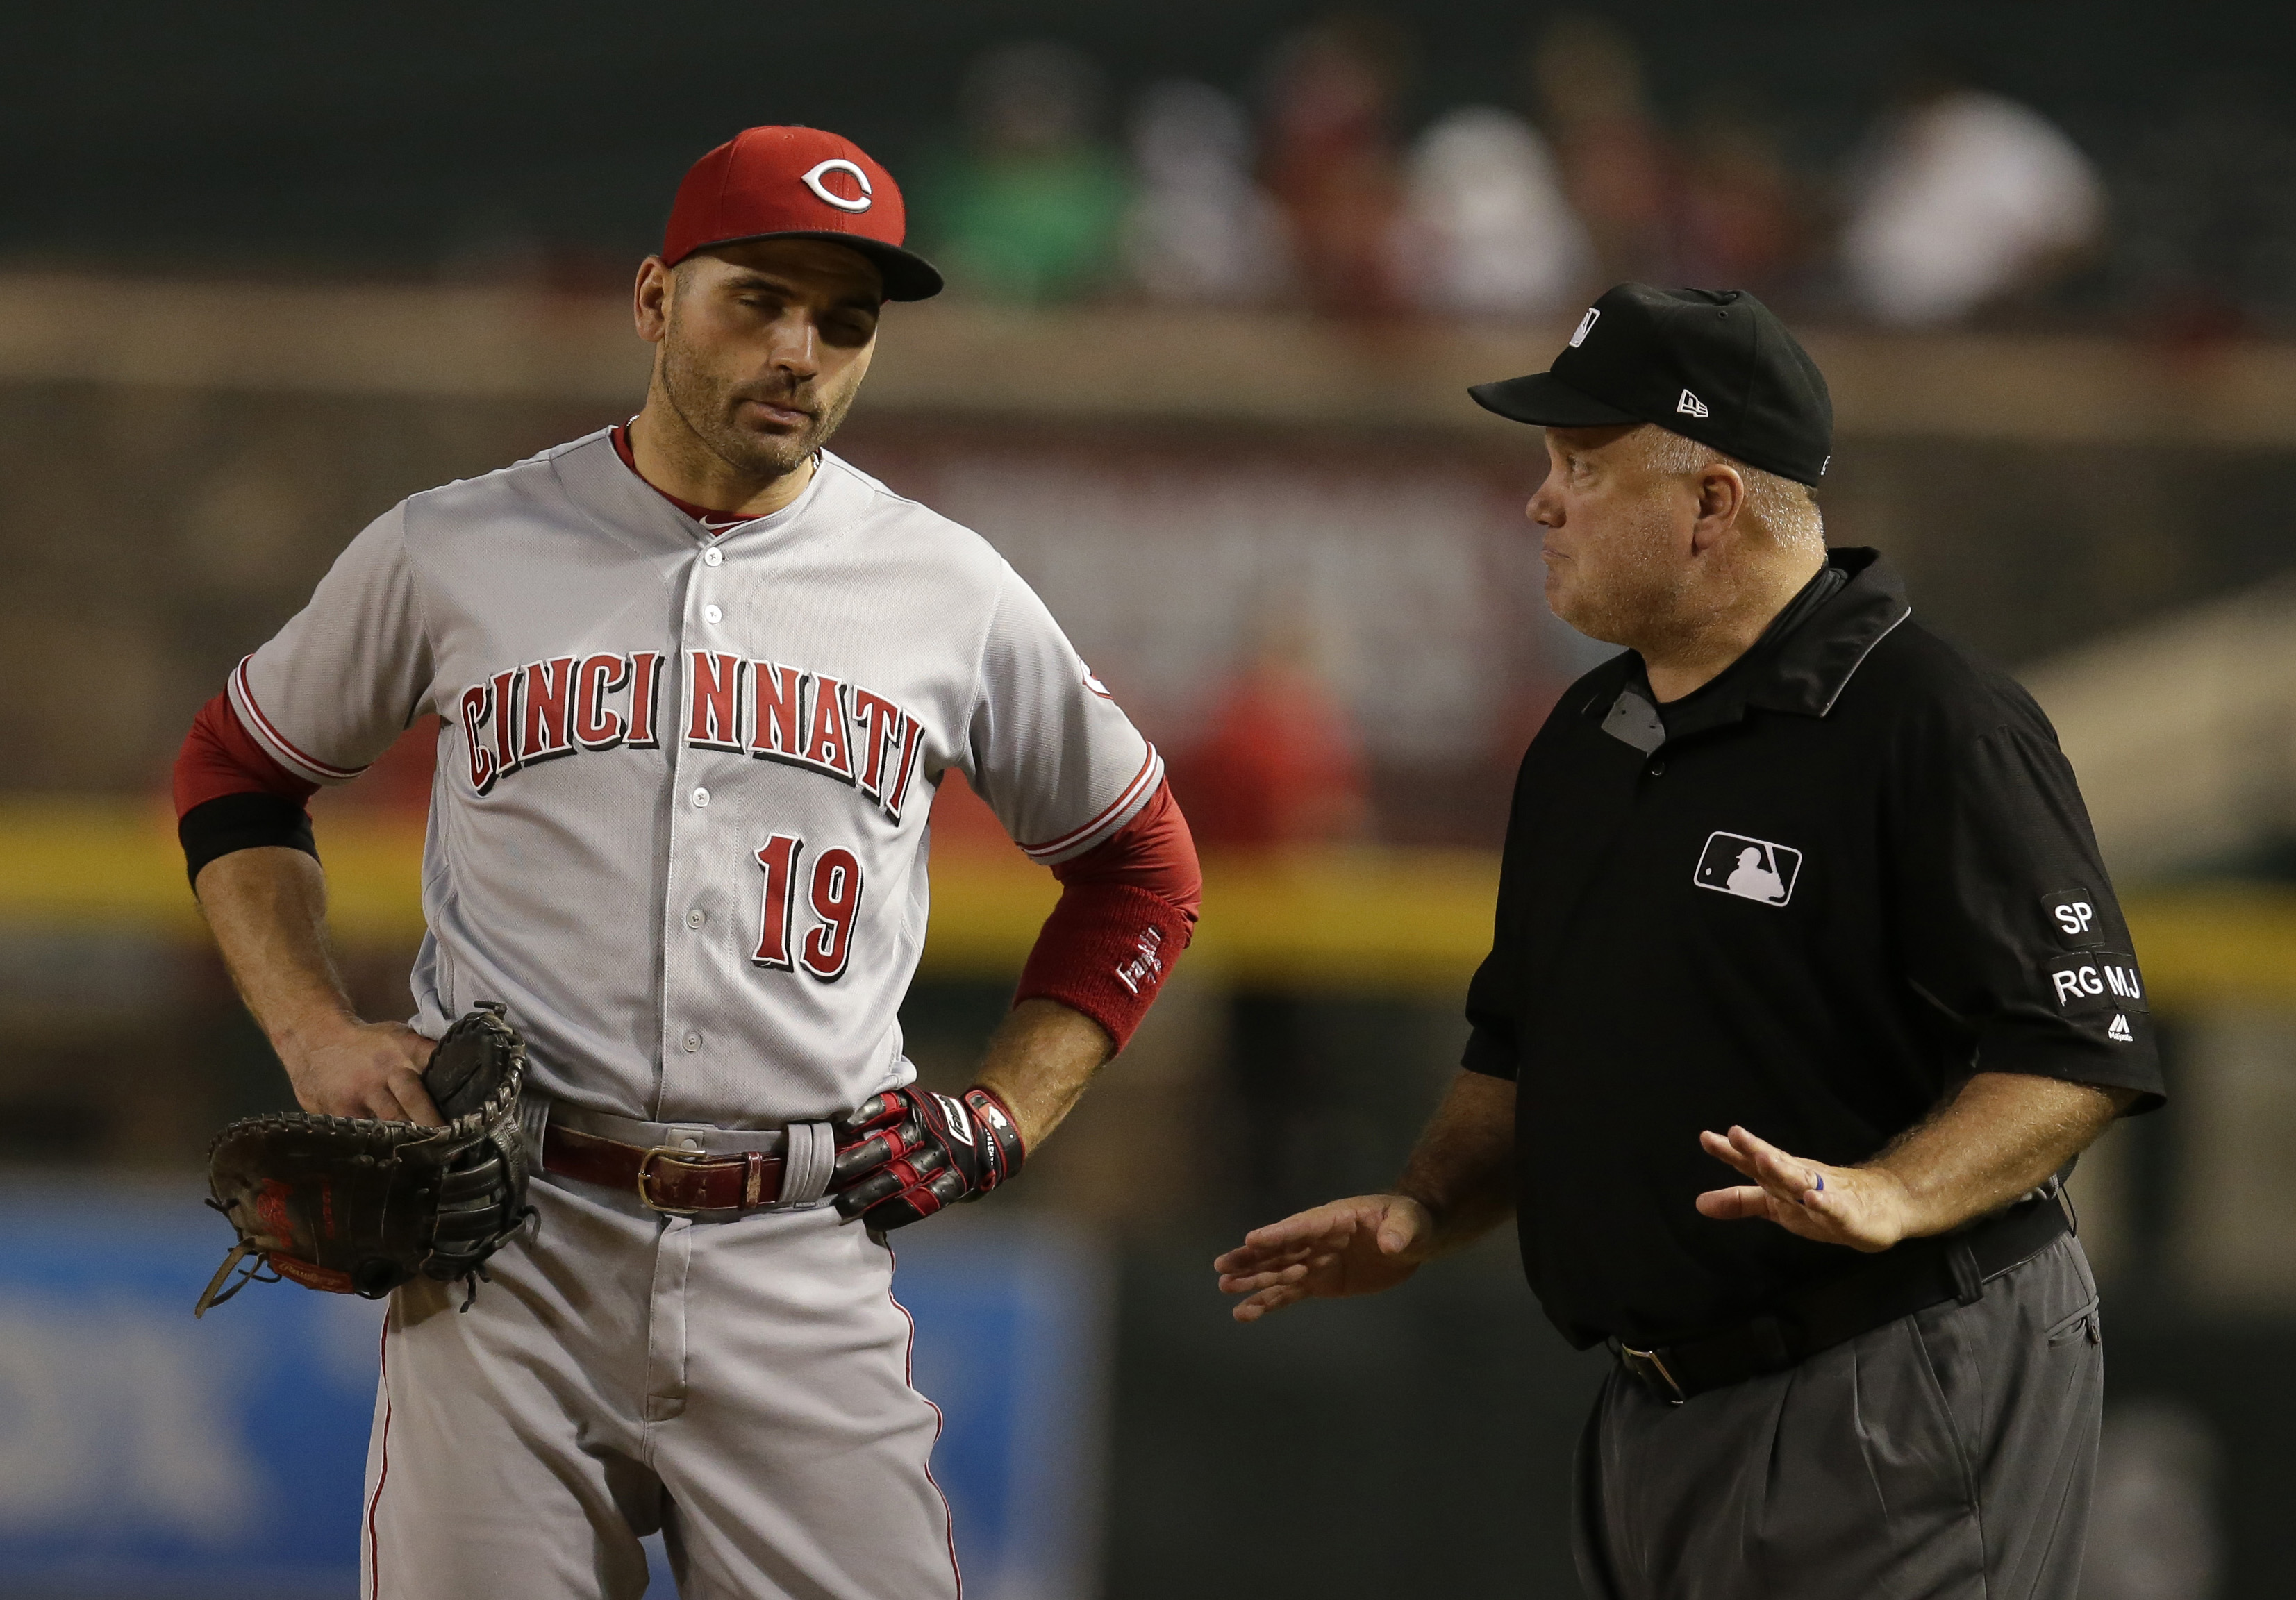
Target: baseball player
[697,679]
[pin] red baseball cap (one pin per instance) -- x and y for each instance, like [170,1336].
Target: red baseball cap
[798,182]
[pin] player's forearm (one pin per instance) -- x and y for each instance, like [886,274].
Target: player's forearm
[2004,1134]
[267,908]
[1039,1062]
[1462,1168]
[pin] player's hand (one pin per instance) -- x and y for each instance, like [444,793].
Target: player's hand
[905,1153]
[365,1070]
[1357,1246]
[1863,1208]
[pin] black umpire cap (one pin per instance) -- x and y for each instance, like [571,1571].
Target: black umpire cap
[1712,365]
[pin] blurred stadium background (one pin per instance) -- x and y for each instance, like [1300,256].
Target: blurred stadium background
[1220,274]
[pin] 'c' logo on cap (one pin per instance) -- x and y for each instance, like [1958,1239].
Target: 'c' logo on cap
[812,180]
[1586,326]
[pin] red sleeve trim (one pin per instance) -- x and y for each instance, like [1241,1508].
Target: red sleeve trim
[1127,909]
[242,696]
[220,757]
[1150,776]
[1153,851]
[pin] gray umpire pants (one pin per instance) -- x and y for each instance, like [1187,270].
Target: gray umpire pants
[1945,1455]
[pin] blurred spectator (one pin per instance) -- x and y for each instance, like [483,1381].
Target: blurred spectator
[1967,198]
[1331,161]
[1029,212]
[1279,762]
[1486,229]
[1201,230]
[1616,167]
[1742,223]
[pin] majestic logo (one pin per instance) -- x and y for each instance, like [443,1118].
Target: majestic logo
[812,180]
[2119,1033]
[1752,869]
[1093,683]
[1690,405]
[1145,968]
[1586,326]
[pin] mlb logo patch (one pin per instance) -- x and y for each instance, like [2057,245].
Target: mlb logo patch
[1752,869]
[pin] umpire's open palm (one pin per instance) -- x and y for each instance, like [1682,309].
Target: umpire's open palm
[1357,1246]
[1859,1207]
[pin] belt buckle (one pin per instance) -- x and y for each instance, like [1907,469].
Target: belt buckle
[690,1158]
[1643,1363]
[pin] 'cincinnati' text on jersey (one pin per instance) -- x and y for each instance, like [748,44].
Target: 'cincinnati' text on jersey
[565,704]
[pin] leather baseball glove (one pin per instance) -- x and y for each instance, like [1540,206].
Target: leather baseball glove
[905,1153]
[357,1206]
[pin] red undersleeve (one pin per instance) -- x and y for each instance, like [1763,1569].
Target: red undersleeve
[1126,912]
[220,757]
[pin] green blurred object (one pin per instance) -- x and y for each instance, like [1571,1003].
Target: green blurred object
[1031,227]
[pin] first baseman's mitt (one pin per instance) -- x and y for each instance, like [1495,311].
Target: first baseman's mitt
[358,1206]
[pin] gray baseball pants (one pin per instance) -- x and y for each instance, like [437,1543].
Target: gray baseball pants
[742,1387]
[1947,1455]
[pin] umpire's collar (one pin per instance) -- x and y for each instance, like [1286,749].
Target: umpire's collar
[1800,665]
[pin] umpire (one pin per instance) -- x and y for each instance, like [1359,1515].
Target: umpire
[1807,988]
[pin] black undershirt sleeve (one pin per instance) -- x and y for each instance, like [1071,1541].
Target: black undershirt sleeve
[243,822]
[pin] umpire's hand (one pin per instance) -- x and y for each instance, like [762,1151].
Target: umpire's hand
[1862,1207]
[1357,1246]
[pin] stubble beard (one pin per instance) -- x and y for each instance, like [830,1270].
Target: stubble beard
[1639,596]
[706,403]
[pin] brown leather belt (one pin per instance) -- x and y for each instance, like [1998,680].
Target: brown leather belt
[679,1183]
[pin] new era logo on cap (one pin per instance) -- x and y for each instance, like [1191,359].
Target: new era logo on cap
[1663,353]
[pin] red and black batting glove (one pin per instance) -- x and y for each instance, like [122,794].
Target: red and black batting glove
[905,1153]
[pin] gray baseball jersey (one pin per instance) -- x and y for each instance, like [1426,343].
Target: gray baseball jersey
[679,819]
[678,826]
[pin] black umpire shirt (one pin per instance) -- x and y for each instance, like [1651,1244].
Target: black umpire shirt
[1810,898]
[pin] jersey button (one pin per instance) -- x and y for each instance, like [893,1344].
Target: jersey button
[702,796]
[1658,769]
[693,1042]
[694,918]
[712,615]
[713,557]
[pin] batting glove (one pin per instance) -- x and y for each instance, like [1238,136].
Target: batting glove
[905,1153]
